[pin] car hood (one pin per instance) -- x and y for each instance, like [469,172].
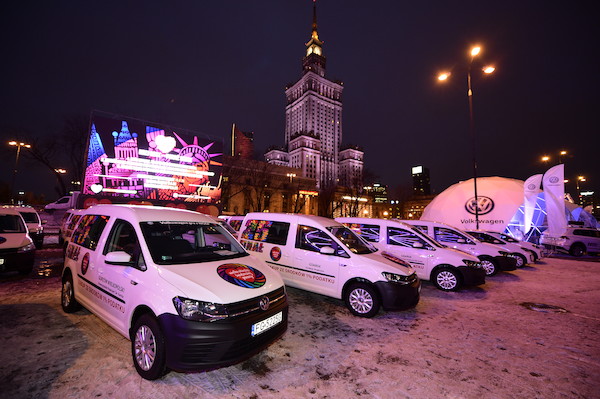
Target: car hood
[223,281]
[387,261]
[13,240]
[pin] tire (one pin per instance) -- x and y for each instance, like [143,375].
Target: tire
[67,295]
[521,260]
[446,279]
[362,300]
[148,348]
[577,250]
[489,265]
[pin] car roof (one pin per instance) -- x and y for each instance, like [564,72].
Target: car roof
[8,210]
[295,217]
[148,213]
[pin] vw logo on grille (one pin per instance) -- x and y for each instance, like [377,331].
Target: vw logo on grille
[264,303]
[484,205]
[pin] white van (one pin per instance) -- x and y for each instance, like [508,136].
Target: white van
[17,250]
[34,224]
[492,258]
[175,283]
[447,268]
[321,255]
[536,250]
[522,256]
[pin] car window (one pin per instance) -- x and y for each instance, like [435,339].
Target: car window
[266,231]
[313,239]
[369,232]
[405,238]
[174,242]
[444,234]
[353,242]
[235,224]
[12,224]
[123,237]
[88,232]
[30,217]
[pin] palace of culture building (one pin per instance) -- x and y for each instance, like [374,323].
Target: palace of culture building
[313,125]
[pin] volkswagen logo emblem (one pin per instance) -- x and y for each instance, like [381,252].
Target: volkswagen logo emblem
[531,186]
[264,303]
[483,206]
[553,179]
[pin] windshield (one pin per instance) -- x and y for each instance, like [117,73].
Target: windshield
[425,237]
[12,224]
[189,242]
[508,238]
[353,242]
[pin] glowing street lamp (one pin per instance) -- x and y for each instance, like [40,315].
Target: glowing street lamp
[443,77]
[17,144]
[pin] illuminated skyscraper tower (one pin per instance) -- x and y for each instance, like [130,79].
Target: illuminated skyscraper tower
[313,120]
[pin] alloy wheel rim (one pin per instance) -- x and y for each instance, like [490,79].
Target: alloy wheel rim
[361,301]
[145,348]
[488,267]
[446,280]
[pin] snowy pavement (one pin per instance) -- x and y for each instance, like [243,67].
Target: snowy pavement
[481,342]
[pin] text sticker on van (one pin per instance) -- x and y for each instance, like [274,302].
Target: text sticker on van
[241,275]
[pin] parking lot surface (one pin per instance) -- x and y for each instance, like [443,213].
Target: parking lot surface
[531,333]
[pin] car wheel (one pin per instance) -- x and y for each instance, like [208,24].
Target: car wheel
[148,348]
[577,249]
[489,265]
[521,260]
[362,300]
[446,279]
[67,295]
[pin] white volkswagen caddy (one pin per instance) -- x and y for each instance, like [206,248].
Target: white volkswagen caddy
[175,283]
[321,255]
[492,257]
[447,268]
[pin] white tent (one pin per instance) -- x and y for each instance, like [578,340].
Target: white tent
[499,199]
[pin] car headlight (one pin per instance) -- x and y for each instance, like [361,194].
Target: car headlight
[191,309]
[26,248]
[472,263]
[503,253]
[398,278]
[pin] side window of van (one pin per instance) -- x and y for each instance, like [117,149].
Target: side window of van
[266,231]
[313,239]
[89,230]
[421,228]
[447,235]
[369,232]
[405,238]
[235,224]
[124,238]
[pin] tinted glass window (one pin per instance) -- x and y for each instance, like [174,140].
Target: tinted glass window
[443,234]
[235,224]
[313,239]
[405,238]
[354,243]
[30,217]
[124,238]
[369,232]
[421,228]
[88,232]
[266,231]
[12,224]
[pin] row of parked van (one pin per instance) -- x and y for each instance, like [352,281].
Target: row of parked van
[190,295]
[21,232]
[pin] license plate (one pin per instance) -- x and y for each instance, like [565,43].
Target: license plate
[265,324]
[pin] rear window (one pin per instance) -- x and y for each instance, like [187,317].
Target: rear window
[30,217]
[266,231]
[12,224]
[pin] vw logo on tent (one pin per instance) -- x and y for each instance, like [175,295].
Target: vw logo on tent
[553,179]
[484,205]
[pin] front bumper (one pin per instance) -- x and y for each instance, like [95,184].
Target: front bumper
[397,296]
[472,275]
[11,260]
[196,346]
[506,263]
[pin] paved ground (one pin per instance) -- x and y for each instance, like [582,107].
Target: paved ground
[478,343]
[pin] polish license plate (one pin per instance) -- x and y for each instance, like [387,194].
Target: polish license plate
[267,323]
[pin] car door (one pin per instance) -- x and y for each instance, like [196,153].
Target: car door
[316,271]
[410,247]
[454,239]
[121,281]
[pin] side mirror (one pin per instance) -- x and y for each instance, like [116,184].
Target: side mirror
[461,241]
[417,245]
[327,251]
[118,258]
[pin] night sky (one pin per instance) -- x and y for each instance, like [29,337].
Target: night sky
[203,65]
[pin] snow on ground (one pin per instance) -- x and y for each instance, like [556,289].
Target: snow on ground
[476,343]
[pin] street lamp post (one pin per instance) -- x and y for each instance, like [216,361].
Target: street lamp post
[442,77]
[18,144]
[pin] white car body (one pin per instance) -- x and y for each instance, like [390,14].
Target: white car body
[17,249]
[523,257]
[493,257]
[446,267]
[178,274]
[321,255]
[576,240]
[536,249]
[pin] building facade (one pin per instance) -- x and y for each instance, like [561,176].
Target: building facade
[313,124]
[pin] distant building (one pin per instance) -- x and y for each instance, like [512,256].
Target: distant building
[242,143]
[313,124]
[421,183]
